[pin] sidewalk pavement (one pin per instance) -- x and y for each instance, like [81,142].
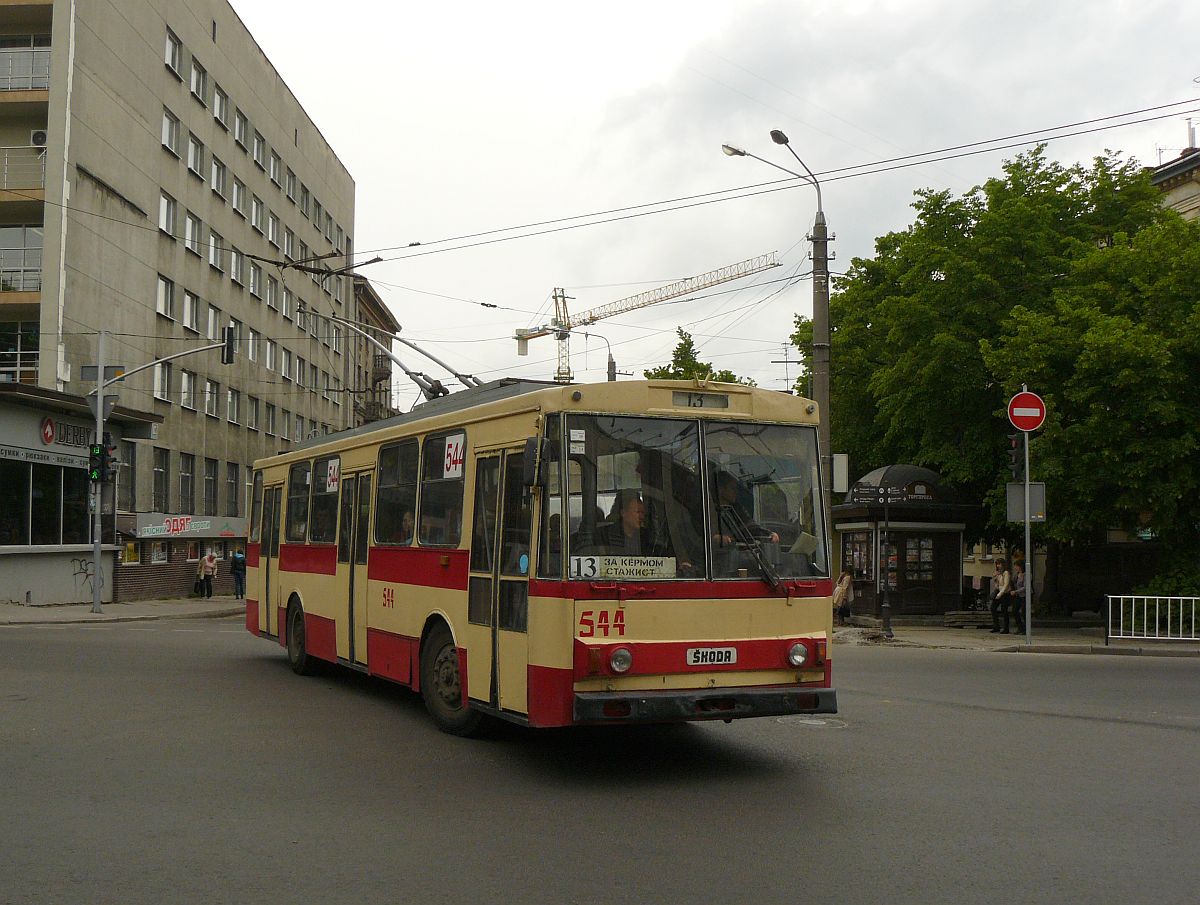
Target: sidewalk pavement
[133,611]
[1085,640]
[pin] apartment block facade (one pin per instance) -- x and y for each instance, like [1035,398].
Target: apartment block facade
[157,177]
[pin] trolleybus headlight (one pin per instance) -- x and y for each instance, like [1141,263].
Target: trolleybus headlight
[620,660]
[797,654]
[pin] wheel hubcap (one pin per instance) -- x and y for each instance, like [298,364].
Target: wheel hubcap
[445,677]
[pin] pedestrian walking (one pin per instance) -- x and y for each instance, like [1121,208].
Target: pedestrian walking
[1000,594]
[207,571]
[843,596]
[237,568]
[1017,596]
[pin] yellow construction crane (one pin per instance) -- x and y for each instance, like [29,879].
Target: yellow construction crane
[564,322]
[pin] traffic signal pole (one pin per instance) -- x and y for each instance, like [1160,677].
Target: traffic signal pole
[98,486]
[1028,551]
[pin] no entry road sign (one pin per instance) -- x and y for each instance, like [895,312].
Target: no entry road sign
[1026,411]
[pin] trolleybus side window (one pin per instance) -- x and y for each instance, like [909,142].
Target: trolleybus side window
[396,497]
[326,478]
[442,489]
[297,502]
[555,526]
[256,497]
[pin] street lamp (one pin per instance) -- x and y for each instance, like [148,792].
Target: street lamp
[820,321]
[612,363]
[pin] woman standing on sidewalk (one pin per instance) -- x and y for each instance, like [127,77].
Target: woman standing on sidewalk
[1017,597]
[1000,591]
[208,568]
[843,595]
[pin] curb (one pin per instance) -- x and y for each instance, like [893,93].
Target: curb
[1097,649]
[104,617]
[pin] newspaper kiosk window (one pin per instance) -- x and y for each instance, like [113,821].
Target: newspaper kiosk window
[442,470]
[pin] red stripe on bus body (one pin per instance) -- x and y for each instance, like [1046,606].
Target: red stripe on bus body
[252,554]
[320,637]
[659,658]
[311,559]
[428,567]
[675,590]
[252,616]
[391,656]
[551,696]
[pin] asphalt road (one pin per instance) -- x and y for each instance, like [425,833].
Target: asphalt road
[183,762]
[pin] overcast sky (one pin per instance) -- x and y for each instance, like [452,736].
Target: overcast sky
[461,118]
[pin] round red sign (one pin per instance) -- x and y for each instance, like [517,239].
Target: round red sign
[1026,411]
[48,431]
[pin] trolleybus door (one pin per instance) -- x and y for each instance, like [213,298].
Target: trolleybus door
[268,558]
[353,537]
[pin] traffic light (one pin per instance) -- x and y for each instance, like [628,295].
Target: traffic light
[1016,458]
[108,459]
[96,463]
[229,350]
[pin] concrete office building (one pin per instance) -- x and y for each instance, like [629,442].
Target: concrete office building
[153,167]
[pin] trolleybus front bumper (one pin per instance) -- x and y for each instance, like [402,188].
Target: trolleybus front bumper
[701,704]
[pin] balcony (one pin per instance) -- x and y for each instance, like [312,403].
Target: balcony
[19,351]
[22,168]
[374,410]
[25,68]
[21,260]
[381,369]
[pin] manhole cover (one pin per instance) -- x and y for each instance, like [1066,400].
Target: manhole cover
[814,722]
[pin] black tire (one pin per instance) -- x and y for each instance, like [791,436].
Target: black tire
[298,657]
[441,685]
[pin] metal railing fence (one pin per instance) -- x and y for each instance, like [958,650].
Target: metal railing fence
[1149,618]
[27,70]
[22,168]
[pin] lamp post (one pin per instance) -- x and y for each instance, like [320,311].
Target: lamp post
[612,362]
[820,320]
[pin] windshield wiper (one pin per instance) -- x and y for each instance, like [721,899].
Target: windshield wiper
[745,539]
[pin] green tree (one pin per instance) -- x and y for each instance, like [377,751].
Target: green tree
[685,365]
[1070,279]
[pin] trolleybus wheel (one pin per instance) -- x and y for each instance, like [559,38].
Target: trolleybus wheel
[302,664]
[441,685]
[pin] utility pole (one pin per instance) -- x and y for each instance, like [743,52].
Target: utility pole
[98,486]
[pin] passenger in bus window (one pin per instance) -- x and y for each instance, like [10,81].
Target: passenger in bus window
[728,492]
[406,527]
[622,532]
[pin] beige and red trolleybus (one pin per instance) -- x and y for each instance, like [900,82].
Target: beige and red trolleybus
[554,555]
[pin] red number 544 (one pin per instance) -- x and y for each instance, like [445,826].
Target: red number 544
[593,623]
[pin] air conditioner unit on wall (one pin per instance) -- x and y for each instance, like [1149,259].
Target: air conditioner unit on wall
[38,138]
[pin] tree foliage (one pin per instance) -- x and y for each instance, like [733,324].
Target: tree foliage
[1071,279]
[686,365]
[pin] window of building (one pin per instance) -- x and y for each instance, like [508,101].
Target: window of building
[275,169]
[21,261]
[240,127]
[324,384]
[132,554]
[162,381]
[336,333]
[187,389]
[303,258]
[252,345]
[329,226]
[289,244]
[285,364]
[291,185]
[233,489]
[216,250]
[304,202]
[272,293]
[170,132]
[187,482]
[298,432]
[289,303]
[195,159]
[126,472]
[269,419]
[210,486]
[301,315]
[212,398]
[165,301]
[173,55]
[301,370]
[240,201]
[214,323]
[252,413]
[335,390]
[193,233]
[199,82]
[260,150]
[220,176]
[158,552]
[256,279]
[257,213]
[233,406]
[48,504]
[312,377]
[273,228]
[220,106]
[237,266]
[285,420]
[162,474]
[318,213]
[191,310]
[271,361]
[168,209]
[337,239]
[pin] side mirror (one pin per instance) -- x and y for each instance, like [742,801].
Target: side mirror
[534,472]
